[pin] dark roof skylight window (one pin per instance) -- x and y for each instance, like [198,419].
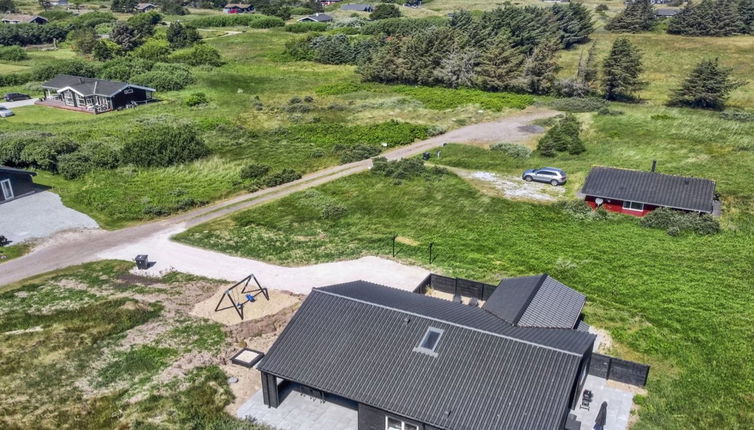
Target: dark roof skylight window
[429,342]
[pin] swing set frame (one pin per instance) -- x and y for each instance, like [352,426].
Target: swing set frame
[245,292]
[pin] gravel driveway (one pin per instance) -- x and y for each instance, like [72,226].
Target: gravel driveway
[39,215]
[20,103]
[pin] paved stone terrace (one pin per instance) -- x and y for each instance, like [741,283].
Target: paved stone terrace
[618,405]
[301,412]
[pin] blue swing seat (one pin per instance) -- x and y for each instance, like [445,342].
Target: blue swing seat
[250,298]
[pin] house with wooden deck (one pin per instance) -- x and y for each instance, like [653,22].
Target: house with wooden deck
[93,95]
[636,192]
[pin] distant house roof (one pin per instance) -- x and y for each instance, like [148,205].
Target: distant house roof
[7,169]
[359,7]
[238,5]
[536,301]
[317,17]
[677,192]
[89,86]
[142,6]
[359,340]
[21,18]
[665,12]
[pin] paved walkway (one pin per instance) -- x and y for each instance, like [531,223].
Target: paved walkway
[71,249]
[619,404]
[20,103]
[39,215]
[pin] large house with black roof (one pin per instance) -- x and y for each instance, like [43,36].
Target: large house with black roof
[637,193]
[93,95]
[414,362]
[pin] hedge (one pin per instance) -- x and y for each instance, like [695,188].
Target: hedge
[253,21]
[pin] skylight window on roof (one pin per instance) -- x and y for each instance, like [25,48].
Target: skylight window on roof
[429,342]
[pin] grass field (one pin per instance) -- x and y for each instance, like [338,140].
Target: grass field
[10,252]
[681,304]
[88,348]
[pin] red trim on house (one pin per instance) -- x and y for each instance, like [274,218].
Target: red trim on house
[614,205]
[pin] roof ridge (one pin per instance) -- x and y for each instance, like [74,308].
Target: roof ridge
[651,172]
[533,294]
[513,338]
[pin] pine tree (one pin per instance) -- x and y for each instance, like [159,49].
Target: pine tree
[540,68]
[574,23]
[746,12]
[499,64]
[621,71]
[709,18]
[707,87]
[587,71]
[637,16]
[457,68]
[564,136]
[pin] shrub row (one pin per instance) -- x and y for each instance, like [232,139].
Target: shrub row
[305,27]
[253,21]
[13,53]
[512,150]
[676,222]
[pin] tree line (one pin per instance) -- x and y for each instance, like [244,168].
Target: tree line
[706,18]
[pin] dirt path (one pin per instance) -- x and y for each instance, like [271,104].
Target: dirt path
[68,249]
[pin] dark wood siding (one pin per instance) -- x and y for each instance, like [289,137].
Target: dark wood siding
[20,182]
[374,419]
[122,99]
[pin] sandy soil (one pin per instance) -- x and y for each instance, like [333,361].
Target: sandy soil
[279,300]
[604,341]
[449,297]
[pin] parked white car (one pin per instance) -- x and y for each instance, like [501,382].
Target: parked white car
[5,112]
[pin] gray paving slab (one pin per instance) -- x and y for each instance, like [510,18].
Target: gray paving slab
[619,404]
[301,412]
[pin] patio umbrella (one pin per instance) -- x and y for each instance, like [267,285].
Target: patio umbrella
[599,423]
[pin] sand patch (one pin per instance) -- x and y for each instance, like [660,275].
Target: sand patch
[449,297]
[406,241]
[604,342]
[279,300]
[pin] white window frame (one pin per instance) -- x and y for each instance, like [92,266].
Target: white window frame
[7,182]
[128,91]
[630,206]
[430,351]
[404,425]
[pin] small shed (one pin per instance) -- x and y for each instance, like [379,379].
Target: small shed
[145,7]
[637,193]
[233,8]
[317,17]
[15,183]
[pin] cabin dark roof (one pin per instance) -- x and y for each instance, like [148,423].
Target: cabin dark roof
[357,341]
[359,7]
[19,17]
[90,86]
[318,17]
[677,192]
[536,301]
[7,169]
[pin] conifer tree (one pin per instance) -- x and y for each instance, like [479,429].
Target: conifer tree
[707,87]
[499,64]
[540,68]
[746,12]
[621,71]
[636,17]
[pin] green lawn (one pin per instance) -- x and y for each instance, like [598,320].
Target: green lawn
[12,251]
[249,120]
[84,348]
[681,304]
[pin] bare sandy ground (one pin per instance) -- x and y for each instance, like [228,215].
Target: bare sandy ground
[510,187]
[254,310]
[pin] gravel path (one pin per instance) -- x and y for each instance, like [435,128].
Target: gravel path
[39,215]
[72,248]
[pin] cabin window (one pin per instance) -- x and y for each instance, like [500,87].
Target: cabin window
[396,424]
[429,342]
[633,206]
[128,91]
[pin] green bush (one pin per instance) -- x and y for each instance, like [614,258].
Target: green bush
[580,210]
[282,177]
[162,145]
[357,153]
[73,165]
[254,171]
[198,55]
[153,50]
[48,71]
[13,53]
[405,168]
[385,11]
[305,27]
[165,77]
[196,99]
[512,150]
[44,152]
[253,21]
[334,211]
[565,135]
[123,68]
[676,222]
